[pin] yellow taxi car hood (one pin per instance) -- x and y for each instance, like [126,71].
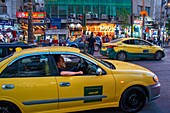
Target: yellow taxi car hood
[120,65]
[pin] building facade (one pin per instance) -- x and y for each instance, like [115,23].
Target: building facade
[153,8]
[99,16]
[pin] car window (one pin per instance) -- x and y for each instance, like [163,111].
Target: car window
[75,63]
[107,64]
[116,40]
[33,66]
[144,43]
[131,42]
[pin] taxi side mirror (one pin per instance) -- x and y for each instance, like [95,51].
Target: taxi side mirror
[99,71]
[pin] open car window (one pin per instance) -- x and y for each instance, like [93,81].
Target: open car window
[76,63]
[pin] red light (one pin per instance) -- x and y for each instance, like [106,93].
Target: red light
[112,46]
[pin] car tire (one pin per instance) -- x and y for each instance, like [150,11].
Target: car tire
[158,55]
[121,56]
[6,107]
[133,100]
[96,48]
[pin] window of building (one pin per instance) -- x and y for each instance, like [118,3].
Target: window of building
[147,10]
[87,8]
[79,9]
[63,11]
[70,9]
[54,10]
[139,9]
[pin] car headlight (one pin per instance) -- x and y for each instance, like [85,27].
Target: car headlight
[155,78]
[67,44]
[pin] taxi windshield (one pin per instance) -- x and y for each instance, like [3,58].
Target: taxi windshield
[107,64]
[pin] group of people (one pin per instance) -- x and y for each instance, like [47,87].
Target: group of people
[160,41]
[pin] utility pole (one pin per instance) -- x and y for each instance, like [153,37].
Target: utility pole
[131,19]
[84,31]
[30,24]
[143,23]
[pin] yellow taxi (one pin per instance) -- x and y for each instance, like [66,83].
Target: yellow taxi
[130,48]
[30,83]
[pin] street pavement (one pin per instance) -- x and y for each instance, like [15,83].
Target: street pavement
[162,70]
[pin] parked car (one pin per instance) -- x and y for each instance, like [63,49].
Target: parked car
[79,43]
[8,48]
[30,82]
[130,48]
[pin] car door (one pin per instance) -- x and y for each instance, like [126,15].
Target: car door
[132,48]
[146,48]
[88,89]
[27,80]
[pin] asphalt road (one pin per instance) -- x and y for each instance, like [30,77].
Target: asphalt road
[162,70]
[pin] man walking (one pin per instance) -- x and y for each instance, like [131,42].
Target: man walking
[91,41]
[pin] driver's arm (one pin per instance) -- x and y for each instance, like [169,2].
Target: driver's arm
[70,73]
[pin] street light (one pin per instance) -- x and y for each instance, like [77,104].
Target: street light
[30,24]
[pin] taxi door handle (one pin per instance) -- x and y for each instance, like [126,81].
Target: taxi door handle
[64,84]
[8,86]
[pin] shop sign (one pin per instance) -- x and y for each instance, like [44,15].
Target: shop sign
[106,28]
[56,22]
[34,14]
[6,22]
[138,22]
[38,21]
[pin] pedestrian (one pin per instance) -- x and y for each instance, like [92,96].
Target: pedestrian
[91,42]
[51,41]
[106,39]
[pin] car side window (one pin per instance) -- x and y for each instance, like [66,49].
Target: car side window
[143,43]
[130,42]
[76,63]
[33,66]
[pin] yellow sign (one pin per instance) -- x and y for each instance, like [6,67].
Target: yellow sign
[144,13]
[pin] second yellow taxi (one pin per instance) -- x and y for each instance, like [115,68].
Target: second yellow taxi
[130,48]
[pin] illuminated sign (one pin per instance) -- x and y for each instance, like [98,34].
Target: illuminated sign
[34,14]
[38,21]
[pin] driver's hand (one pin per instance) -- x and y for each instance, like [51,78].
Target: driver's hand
[80,72]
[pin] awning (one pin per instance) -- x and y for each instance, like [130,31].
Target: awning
[39,31]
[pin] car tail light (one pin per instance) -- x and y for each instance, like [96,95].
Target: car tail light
[112,46]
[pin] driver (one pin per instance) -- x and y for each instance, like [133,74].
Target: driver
[61,65]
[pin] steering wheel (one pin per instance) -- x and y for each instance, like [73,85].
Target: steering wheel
[81,65]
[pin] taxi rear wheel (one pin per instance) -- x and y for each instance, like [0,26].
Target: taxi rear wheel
[133,100]
[158,55]
[121,56]
[6,107]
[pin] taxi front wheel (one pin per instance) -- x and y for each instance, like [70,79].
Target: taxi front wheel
[6,107]
[158,55]
[133,100]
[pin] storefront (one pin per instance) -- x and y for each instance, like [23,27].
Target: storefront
[57,35]
[39,24]
[101,29]
[7,30]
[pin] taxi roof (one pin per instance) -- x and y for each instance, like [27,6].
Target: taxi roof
[48,49]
